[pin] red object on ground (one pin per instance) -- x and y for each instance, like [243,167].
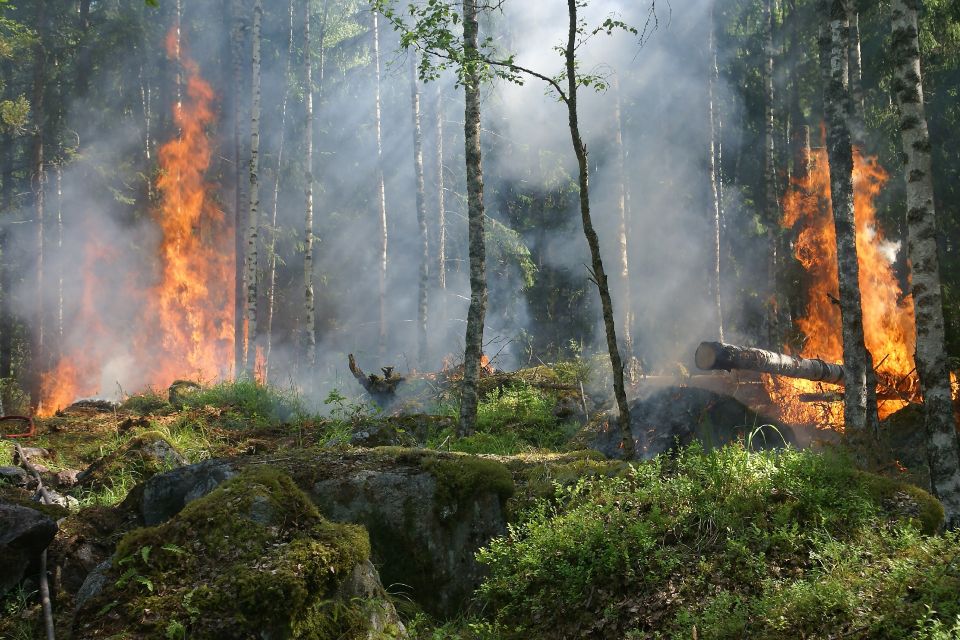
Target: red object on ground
[27,434]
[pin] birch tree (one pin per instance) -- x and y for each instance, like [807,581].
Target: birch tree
[253,220]
[931,354]
[421,216]
[441,208]
[272,244]
[860,416]
[713,167]
[310,323]
[381,198]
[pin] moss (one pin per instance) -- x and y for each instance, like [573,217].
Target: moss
[462,478]
[252,556]
[903,500]
[144,455]
[24,498]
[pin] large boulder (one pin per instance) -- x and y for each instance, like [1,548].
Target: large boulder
[427,512]
[24,534]
[678,415]
[166,494]
[253,559]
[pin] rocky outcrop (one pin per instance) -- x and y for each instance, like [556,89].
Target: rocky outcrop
[24,534]
[427,512]
[253,558]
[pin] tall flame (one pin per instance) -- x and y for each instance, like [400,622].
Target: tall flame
[184,327]
[889,330]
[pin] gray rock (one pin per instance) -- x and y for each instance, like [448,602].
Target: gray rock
[14,475]
[93,584]
[31,453]
[67,477]
[166,494]
[418,544]
[364,584]
[24,534]
[67,502]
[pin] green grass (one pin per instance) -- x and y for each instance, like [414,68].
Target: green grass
[732,543]
[515,419]
[248,402]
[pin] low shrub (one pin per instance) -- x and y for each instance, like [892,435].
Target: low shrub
[731,544]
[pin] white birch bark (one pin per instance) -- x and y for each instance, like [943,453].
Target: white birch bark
[253,219]
[942,448]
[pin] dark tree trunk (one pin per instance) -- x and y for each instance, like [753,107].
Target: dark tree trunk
[599,276]
[931,353]
[475,214]
[38,185]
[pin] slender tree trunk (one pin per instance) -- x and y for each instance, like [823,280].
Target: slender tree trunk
[599,276]
[771,206]
[859,417]
[7,152]
[381,198]
[310,331]
[272,249]
[240,203]
[38,183]
[253,220]
[147,110]
[714,190]
[633,367]
[83,50]
[421,217]
[441,212]
[931,353]
[477,250]
[857,121]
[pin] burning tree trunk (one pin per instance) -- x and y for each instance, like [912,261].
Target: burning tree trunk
[769,178]
[381,388]
[310,332]
[381,196]
[726,357]
[475,214]
[599,276]
[931,354]
[421,217]
[860,416]
[253,220]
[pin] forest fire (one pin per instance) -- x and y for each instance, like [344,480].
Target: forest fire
[184,322]
[887,311]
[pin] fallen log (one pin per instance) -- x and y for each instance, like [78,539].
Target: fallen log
[718,355]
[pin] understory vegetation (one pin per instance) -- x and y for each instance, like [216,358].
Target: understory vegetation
[720,543]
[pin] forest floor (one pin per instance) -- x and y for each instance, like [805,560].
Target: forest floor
[725,542]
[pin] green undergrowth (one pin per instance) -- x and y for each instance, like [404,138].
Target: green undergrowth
[254,557]
[731,543]
[511,419]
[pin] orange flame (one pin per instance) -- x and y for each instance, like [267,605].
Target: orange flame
[185,324]
[889,330]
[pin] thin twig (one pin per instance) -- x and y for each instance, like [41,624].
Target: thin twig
[44,584]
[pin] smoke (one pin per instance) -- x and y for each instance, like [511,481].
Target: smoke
[109,260]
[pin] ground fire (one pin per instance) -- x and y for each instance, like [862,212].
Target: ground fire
[184,326]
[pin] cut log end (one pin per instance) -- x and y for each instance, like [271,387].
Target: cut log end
[706,356]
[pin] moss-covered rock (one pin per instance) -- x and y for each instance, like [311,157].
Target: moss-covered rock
[253,559]
[143,456]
